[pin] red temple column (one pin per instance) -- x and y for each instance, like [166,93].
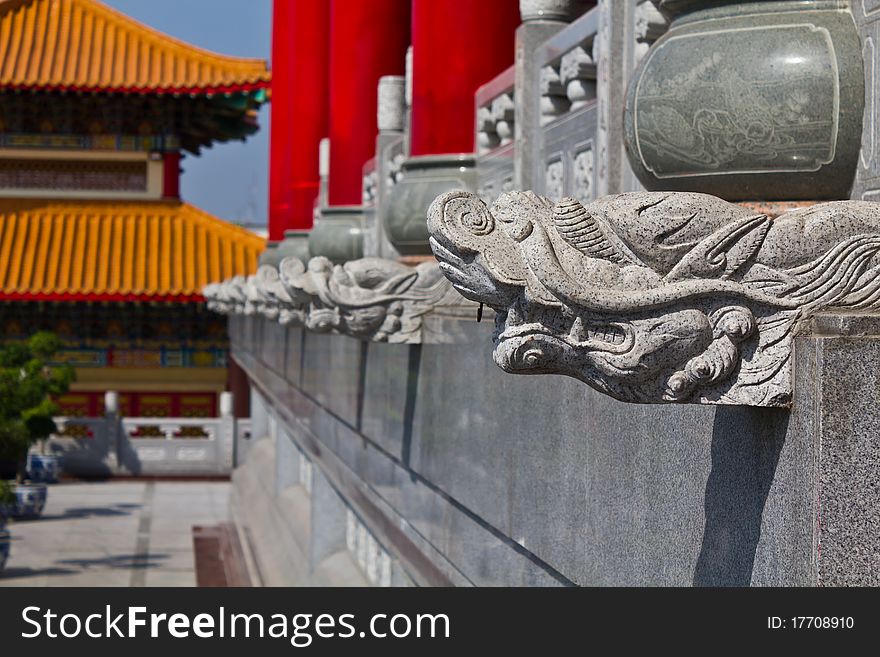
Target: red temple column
[367,40]
[300,42]
[458,45]
[449,65]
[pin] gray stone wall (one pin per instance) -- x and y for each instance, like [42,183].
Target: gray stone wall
[468,476]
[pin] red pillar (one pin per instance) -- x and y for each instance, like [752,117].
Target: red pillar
[300,42]
[171,174]
[449,64]
[368,39]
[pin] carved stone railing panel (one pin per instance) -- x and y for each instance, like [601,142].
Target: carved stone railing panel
[151,444]
[585,68]
[657,297]
[495,131]
[567,95]
[370,299]
[495,113]
[171,429]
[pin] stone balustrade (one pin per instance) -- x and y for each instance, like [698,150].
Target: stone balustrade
[495,130]
[147,445]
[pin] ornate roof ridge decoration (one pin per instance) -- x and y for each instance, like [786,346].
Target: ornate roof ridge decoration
[70,250]
[371,299]
[84,45]
[657,297]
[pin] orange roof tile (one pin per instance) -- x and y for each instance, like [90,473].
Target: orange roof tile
[111,250]
[85,45]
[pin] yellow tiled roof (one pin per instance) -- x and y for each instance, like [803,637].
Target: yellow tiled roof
[108,250]
[85,45]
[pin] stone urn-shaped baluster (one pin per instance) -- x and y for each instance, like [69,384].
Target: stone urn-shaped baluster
[338,233]
[295,244]
[749,100]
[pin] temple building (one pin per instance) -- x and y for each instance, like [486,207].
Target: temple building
[96,113]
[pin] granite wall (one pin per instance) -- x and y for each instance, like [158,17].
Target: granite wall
[461,474]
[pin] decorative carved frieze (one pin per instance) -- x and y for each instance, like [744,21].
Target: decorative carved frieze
[583,165]
[370,298]
[657,297]
[554,178]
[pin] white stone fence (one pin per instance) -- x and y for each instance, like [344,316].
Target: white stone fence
[114,445]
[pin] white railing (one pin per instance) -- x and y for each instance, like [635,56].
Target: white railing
[146,445]
[171,428]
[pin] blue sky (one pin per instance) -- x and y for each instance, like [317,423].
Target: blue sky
[229,180]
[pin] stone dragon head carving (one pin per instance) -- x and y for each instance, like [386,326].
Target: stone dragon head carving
[369,298]
[363,298]
[656,297]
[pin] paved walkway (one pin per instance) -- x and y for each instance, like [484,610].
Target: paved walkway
[115,533]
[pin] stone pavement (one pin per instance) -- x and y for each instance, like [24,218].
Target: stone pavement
[115,533]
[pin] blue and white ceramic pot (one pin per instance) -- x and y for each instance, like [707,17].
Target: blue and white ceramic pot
[44,468]
[29,500]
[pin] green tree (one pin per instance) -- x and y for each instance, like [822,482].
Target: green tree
[27,385]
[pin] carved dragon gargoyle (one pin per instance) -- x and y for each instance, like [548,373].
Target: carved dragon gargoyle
[656,297]
[226,297]
[369,298]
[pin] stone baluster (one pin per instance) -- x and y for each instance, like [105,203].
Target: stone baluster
[504,114]
[554,100]
[577,72]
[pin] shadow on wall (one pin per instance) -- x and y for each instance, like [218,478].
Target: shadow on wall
[746,444]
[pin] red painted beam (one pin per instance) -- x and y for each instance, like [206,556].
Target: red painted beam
[171,175]
[450,64]
[367,40]
[300,42]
